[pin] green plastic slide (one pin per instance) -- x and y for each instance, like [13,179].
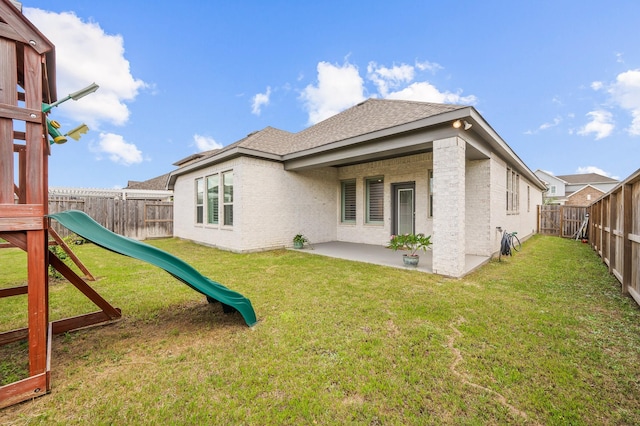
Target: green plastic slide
[83,225]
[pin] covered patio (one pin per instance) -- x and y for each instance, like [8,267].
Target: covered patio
[380,255]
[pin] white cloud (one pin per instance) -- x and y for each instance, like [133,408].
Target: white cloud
[385,78]
[426,92]
[554,123]
[594,169]
[118,150]
[260,100]
[338,88]
[597,85]
[428,66]
[601,124]
[205,143]
[544,126]
[86,54]
[625,92]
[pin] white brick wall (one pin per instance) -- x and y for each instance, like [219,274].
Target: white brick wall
[449,239]
[412,168]
[525,221]
[478,207]
[271,205]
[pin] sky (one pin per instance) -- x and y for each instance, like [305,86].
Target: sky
[558,80]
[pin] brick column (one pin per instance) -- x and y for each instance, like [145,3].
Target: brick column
[449,207]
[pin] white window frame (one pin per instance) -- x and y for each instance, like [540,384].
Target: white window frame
[374,201]
[513,191]
[213,200]
[199,200]
[430,193]
[227,199]
[343,201]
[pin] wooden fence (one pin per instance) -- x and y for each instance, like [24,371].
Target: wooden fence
[562,221]
[133,218]
[615,233]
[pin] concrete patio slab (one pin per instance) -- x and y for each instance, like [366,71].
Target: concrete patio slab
[380,255]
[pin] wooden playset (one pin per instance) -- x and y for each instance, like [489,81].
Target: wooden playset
[27,93]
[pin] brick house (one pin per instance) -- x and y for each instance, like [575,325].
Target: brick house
[575,190]
[379,168]
[584,196]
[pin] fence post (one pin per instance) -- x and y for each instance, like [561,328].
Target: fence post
[626,230]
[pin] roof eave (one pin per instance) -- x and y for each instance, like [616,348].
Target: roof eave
[226,155]
[431,121]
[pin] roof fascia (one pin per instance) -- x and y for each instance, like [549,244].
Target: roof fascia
[226,155]
[501,147]
[551,176]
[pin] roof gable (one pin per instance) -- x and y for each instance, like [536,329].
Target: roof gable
[584,188]
[548,178]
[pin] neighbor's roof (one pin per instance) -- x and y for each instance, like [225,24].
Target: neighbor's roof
[586,178]
[156,183]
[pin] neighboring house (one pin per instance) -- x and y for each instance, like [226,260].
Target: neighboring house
[382,167]
[575,190]
[152,189]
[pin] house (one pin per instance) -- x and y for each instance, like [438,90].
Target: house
[379,168]
[575,190]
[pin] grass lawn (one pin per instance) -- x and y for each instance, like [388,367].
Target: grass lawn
[542,338]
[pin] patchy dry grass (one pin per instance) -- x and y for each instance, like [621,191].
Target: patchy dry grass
[542,338]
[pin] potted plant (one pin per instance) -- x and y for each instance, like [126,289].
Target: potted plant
[412,243]
[299,241]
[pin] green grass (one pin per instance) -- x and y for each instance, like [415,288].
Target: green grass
[542,338]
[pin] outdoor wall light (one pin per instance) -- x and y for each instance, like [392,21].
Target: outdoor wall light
[457,124]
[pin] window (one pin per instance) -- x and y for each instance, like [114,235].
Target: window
[227,200]
[513,191]
[552,189]
[199,201]
[213,198]
[375,200]
[430,207]
[348,201]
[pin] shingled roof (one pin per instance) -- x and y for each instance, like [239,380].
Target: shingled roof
[586,178]
[366,117]
[156,183]
[360,134]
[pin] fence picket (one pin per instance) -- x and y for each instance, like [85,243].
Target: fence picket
[615,226]
[130,217]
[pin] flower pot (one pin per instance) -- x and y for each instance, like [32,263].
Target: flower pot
[298,245]
[409,260]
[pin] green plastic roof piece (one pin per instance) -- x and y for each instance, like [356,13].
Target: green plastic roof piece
[83,225]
